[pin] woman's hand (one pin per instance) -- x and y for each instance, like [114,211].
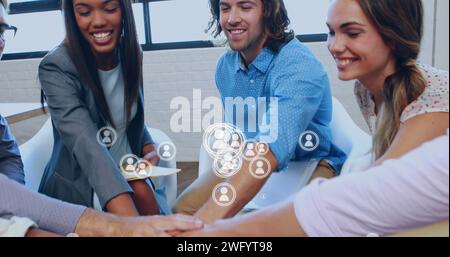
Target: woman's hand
[150,154]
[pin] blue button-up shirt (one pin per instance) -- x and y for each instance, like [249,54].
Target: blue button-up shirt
[288,93]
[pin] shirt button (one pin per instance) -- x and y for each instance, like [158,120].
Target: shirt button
[252,81]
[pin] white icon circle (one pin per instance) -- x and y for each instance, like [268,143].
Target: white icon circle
[260,168]
[107,136]
[227,165]
[221,138]
[224,194]
[306,141]
[263,196]
[262,148]
[143,169]
[250,150]
[128,163]
[167,151]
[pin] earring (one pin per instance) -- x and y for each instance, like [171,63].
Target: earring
[123,29]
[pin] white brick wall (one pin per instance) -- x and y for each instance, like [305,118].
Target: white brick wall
[179,72]
[18,81]
[168,74]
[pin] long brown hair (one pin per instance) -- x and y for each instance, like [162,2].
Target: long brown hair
[128,49]
[276,22]
[400,23]
[4,3]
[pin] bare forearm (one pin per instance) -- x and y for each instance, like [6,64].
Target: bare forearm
[246,187]
[144,198]
[276,221]
[93,223]
[122,205]
[412,134]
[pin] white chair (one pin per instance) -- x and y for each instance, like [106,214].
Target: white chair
[37,152]
[346,135]
[169,182]
[349,137]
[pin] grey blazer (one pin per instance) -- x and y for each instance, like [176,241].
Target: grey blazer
[79,165]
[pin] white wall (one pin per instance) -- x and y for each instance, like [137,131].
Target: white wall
[442,34]
[428,37]
[170,74]
[167,74]
[174,73]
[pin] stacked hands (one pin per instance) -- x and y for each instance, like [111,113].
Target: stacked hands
[93,223]
[145,226]
[166,226]
[156,226]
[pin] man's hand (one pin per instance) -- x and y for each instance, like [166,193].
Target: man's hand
[159,226]
[150,154]
[94,223]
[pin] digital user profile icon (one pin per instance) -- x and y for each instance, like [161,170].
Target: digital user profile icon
[222,138]
[227,165]
[260,167]
[250,150]
[263,196]
[309,141]
[254,149]
[224,194]
[167,151]
[107,136]
[143,169]
[262,148]
[129,163]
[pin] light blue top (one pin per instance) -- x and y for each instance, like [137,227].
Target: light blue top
[113,88]
[302,101]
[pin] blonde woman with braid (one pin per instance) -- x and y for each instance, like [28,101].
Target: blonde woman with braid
[378,43]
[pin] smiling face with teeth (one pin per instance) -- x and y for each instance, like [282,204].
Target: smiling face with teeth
[357,46]
[100,23]
[243,24]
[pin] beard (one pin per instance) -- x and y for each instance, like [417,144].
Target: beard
[251,43]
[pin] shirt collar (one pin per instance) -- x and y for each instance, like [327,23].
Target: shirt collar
[262,61]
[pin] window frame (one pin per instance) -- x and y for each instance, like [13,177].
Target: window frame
[55,5]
